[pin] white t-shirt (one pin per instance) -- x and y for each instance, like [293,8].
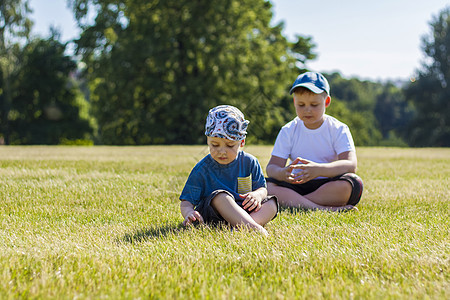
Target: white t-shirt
[321,145]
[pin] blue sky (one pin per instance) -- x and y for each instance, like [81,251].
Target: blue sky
[374,40]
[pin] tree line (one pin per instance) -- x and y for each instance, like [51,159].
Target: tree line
[146,72]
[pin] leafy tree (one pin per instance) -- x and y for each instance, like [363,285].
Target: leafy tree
[15,27]
[430,92]
[381,112]
[358,95]
[45,108]
[362,124]
[156,67]
[392,111]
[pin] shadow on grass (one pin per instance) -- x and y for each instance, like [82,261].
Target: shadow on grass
[142,235]
[295,210]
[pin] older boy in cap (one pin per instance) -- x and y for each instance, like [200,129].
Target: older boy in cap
[228,184]
[321,171]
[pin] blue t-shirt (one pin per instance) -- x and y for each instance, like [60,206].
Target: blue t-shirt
[241,176]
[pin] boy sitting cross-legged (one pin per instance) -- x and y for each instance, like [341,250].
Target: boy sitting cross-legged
[321,171]
[228,184]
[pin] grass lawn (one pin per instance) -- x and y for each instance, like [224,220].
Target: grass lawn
[104,223]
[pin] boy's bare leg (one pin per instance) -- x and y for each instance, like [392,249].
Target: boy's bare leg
[226,206]
[290,198]
[334,193]
[266,213]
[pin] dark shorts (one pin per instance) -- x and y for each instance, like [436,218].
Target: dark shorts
[312,185]
[210,215]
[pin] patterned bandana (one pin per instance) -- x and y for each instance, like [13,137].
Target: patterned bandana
[227,122]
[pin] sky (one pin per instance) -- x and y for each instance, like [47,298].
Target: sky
[373,40]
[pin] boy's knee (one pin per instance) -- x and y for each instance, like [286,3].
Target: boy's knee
[221,198]
[357,187]
[341,187]
[271,207]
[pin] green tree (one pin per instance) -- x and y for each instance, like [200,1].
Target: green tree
[15,27]
[392,111]
[362,124]
[45,108]
[356,94]
[156,67]
[353,102]
[381,112]
[430,92]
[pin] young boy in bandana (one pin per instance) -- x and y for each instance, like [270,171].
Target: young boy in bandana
[321,171]
[227,185]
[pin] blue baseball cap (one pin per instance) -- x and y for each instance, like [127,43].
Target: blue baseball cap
[313,81]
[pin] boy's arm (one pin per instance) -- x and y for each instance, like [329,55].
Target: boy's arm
[309,170]
[277,169]
[346,163]
[189,214]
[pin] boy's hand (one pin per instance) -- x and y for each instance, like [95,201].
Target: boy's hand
[252,201]
[306,170]
[192,217]
[289,174]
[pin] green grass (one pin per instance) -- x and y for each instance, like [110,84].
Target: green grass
[104,222]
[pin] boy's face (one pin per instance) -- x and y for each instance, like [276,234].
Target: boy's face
[223,151]
[310,108]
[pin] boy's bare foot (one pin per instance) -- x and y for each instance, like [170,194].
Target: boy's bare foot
[345,208]
[263,231]
[355,209]
[258,229]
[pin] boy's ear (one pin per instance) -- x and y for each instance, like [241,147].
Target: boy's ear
[327,101]
[242,143]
